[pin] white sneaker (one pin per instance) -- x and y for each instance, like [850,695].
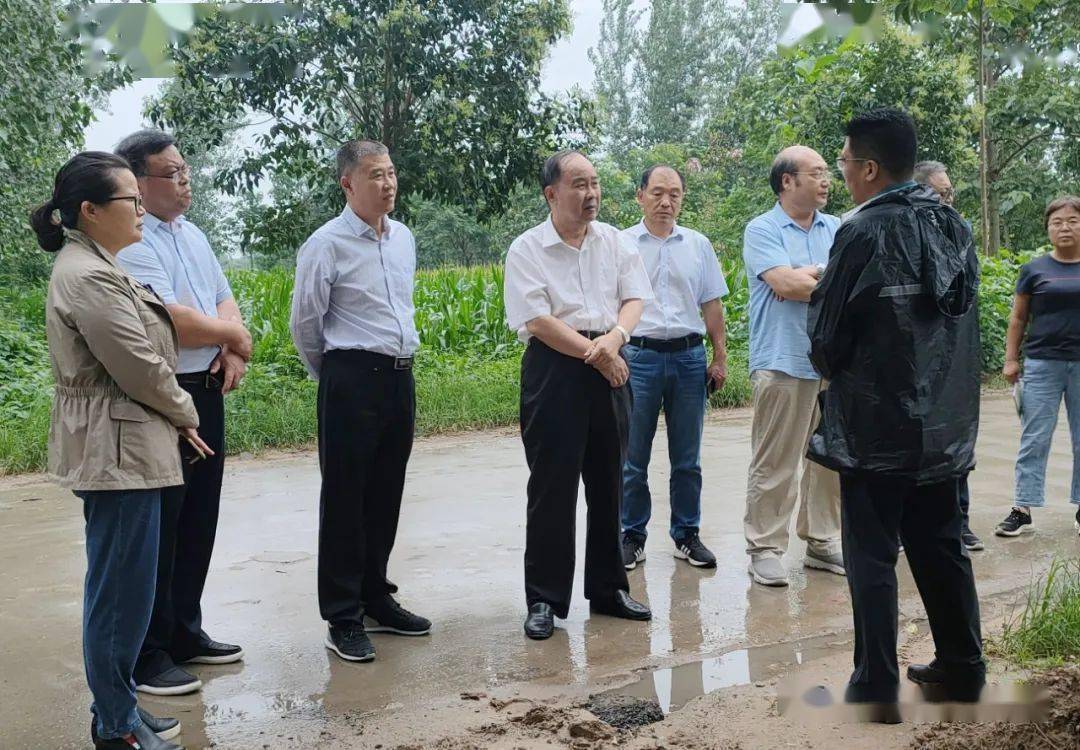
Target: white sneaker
[768,571]
[833,563]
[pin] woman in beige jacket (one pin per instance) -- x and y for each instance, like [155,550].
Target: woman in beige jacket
[113,434]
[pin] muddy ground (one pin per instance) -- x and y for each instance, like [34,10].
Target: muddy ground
[712,657]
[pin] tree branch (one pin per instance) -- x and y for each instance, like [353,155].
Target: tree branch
[1019,149]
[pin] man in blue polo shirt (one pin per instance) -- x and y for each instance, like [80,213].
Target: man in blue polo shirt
[668,368]
[174,259]
[785,251]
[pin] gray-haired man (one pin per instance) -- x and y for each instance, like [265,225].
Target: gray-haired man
[352,323]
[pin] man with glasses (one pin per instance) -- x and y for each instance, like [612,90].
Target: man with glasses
[785,250]
[175,260]
[894,327]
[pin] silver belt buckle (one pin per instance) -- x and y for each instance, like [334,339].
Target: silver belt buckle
[403,363]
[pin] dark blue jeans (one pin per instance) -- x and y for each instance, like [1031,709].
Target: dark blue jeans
[122,528]
[674,382]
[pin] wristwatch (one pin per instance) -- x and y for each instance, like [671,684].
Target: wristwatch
[624,332]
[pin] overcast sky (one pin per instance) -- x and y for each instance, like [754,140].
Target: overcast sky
[568,65]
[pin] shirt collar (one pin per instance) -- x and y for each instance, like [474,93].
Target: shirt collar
[549,236]
[641,230]
[152,223]
[783,219]
[364,229]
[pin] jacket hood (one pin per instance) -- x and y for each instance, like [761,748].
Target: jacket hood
[940,247]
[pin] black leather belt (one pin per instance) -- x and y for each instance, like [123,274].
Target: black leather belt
[205,379]
[360,355]
[667,345]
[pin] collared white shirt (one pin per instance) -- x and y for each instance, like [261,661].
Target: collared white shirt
[354,290]
[583,288]
[175,260]
[685,274]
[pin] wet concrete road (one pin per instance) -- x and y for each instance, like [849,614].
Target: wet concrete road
[458,560]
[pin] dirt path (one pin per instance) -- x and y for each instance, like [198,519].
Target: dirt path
[458,561]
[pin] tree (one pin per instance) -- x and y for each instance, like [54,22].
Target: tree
[670,68]
[45,105]
[1025,70]
[452,88]
[613,60]
[809,93]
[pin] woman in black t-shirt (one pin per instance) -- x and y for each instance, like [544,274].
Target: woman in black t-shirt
[1047,308]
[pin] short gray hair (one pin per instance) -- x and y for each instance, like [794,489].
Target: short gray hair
[924,170]
[352,153]
[552,169]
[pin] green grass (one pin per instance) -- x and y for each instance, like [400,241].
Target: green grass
[1045,631]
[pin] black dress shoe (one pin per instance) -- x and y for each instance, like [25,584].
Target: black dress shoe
[164,727]
[621,605]
[142,738]
[540,623]
[938,685]
[213,652]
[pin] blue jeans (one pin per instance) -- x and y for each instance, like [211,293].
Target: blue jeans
[1045,382]
[674,382]
[122,528]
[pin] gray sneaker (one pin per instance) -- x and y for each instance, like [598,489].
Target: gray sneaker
[833,563]
[768,571]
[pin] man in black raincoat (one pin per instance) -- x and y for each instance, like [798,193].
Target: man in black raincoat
[893,327]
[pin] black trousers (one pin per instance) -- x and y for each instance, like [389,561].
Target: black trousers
[366,411]
[574,426]
[189,517]
[877,511]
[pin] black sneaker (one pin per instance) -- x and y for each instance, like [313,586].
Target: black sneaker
[142,738]
[387,616]
[212,652]
[971,541]
[633,551]
[173,681]
[350,642]
[1076,523]
[694,552]
[1015,524]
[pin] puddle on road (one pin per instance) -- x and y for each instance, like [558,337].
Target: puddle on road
[673,687]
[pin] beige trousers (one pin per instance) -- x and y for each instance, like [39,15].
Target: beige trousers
[785,416]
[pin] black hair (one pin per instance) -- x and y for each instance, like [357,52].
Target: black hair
[89,176]
[647,174]
[352,153]
[781,166]
[887,136]
[138,146]
[552,169]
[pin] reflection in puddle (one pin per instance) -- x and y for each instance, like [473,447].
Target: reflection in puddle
[673,687]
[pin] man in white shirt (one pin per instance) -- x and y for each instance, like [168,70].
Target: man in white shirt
[352,323]
[573,292]
[667,365]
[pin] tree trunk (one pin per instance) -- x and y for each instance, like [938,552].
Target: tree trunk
[984,139]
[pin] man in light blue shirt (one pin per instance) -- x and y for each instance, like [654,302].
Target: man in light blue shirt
[784,251]
[352,323]
[667,365]
[174,259]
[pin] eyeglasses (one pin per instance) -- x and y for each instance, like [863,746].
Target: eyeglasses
[180,173]
[820,175]
[842,160]
[1062,223]
[136,199]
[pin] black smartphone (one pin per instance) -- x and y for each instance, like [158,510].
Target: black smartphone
[710,386]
